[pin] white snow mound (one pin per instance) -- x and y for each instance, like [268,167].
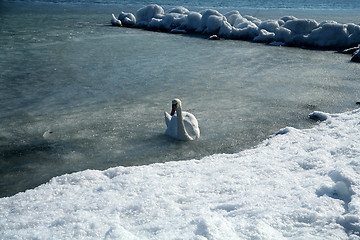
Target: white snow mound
[288,30]
[298,184]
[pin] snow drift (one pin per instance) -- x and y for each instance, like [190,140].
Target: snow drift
[288,30]
[298,184]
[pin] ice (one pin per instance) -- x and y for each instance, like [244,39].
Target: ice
[298,184]
[265,36]
[301,26]
[271,25]
[145,15]
[211,21]
[318,116]
[289,30]
[356,56]
[329,34]
[115,21]
[127,19]
[180,10]
[192,22]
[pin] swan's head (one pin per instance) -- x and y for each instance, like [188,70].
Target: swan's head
[176,103]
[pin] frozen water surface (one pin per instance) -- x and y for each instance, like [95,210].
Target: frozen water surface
[299,184]
[77,94]
[98,93]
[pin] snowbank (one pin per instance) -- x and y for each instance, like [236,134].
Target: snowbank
[288,30]
[299,184]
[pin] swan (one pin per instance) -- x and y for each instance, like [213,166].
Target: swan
[182,126]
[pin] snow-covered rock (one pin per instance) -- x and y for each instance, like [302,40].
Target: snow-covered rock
[114,21]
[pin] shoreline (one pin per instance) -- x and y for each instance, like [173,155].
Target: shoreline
[307,174]
[82,38]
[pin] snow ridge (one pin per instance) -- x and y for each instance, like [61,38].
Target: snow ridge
[288,30]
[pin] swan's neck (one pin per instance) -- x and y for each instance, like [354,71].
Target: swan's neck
[181,131]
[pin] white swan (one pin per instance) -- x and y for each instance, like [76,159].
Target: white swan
[182,126]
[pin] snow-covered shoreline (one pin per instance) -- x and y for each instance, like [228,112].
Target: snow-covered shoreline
[298,184]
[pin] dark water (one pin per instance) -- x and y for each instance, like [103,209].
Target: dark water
[102,91]
[257,4]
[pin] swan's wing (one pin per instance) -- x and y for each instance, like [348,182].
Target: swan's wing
[167,119]
[171,123]
[191,125]
[191,119]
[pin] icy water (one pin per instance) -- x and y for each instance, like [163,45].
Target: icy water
[101,91]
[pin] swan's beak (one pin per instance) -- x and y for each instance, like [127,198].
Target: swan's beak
[173,110]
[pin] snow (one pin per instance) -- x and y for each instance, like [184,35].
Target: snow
[128,19]
[115,21]
[318,116]
[289,30]
[146,14]
[298,184]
